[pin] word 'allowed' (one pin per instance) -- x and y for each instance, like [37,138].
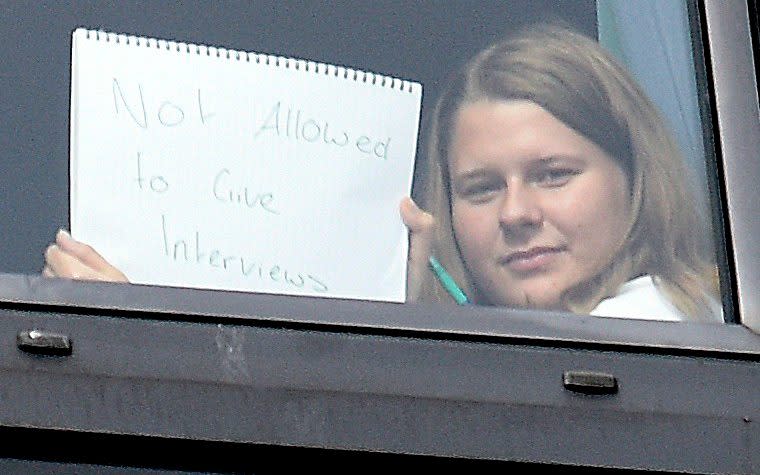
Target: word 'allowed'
[295,125]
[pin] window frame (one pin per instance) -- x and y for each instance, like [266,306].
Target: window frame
[735,94]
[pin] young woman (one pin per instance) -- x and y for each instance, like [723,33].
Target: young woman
[553,184]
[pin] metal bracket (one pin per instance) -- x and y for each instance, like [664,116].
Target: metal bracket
[43,342]
[589,382]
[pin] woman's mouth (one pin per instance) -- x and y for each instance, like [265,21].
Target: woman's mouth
[533,259]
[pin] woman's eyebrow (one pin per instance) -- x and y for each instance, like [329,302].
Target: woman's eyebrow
[471,174]
[548,160]
[552,159]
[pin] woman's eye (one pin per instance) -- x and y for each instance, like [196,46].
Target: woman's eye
[479,192]
[555,176]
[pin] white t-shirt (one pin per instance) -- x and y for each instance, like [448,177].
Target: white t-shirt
[639,298]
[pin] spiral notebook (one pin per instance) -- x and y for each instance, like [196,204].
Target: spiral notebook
[201,166]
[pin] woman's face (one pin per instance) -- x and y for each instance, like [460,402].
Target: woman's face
[536,207]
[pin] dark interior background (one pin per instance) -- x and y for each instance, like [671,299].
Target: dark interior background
[421,41]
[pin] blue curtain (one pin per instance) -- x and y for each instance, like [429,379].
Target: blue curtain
[653,39]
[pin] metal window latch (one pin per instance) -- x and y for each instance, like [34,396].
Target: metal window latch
[589,382]
[43,343]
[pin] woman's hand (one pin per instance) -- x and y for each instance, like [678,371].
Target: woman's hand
[71,259]
[421,225]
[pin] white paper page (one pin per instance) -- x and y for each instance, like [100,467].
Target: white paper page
[192,169]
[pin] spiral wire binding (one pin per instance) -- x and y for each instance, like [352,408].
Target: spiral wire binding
[350,74]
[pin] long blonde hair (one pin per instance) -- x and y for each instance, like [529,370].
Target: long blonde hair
[574,79]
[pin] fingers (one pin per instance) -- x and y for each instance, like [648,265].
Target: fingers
[421,226]
[86,254]
[71,259]
[59,263]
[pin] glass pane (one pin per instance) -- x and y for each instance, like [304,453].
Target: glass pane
[557,151]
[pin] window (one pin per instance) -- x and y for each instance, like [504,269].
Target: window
[583,252]
[517,233]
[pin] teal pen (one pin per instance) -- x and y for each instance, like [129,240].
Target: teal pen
[448,282]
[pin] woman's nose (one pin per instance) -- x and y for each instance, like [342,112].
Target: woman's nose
[519,208]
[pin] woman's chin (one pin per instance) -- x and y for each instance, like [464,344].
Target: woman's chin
[531,299]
